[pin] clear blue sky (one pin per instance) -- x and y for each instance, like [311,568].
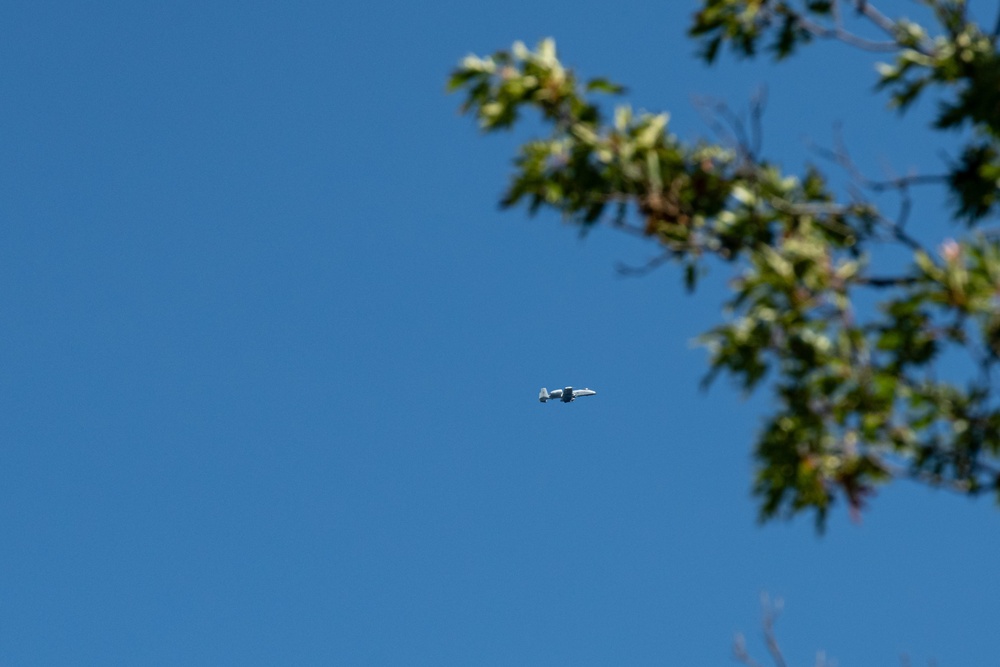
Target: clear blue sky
[271,355]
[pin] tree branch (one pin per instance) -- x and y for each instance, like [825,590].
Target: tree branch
[711,111]
[842,35]
[741,654]
[838,32]
[895,281]
[867,9]
[841,156]
[650,266]
[757,106]
[770,614]
[906,181]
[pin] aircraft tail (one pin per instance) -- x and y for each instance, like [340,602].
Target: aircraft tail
[543,395]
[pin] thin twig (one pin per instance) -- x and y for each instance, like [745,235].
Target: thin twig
[895,281]
[838,32]
[733,130]
[842,157]
[770,614]
[757,106]
[648,267]
[886,24]
[772,639]
[740,652]
[906,181]
[897,228]
[846,37]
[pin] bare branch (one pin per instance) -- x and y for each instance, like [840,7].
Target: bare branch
[839,32]
[896,228]
[809,208]
[886,24]
[650,266]
[842,35]
[906,181]
[728,126]
[842,157]
[895,281]
[740,652]
[900,470]
[770,615]
[757,106]
[770,612]
[863,8]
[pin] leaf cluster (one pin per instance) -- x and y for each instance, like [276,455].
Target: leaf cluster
[744,24]
[859,394]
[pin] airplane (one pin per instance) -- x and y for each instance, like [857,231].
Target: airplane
[565,395]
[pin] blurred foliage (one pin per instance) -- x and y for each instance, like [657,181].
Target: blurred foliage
[859,397]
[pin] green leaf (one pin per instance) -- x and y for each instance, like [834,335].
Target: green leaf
[602,85]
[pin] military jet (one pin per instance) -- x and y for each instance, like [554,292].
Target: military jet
[565,395]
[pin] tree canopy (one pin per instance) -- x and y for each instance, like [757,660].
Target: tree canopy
[860,393]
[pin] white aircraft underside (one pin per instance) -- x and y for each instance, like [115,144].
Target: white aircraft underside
[565,395]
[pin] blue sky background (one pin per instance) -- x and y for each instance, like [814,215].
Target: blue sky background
[271,356]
